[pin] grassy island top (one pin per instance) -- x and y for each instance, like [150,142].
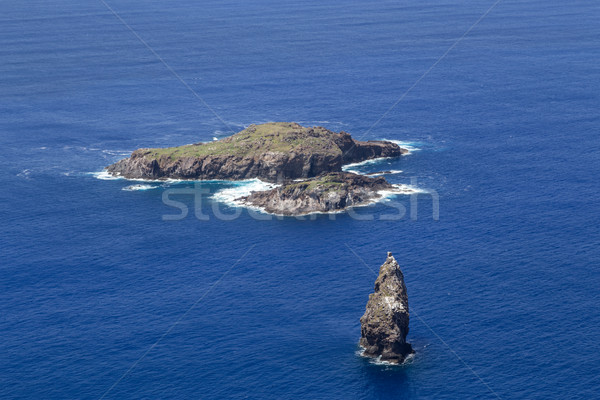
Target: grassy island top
[279,137]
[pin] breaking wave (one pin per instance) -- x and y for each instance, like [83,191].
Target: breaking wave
[105,176]
[133,188]
[353,167]
[377,360]
[231,196]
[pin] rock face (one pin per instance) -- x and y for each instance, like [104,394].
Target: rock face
[273,152]
[384,325]
[326,193]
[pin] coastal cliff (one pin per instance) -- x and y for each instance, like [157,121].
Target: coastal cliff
[273,152]
[384,325]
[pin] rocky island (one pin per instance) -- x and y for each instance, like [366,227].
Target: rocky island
[384,325]
[272,152]
[305,162]
[326,193]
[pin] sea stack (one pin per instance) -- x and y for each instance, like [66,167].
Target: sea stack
[384,325]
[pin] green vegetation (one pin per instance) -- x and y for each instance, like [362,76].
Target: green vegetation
[326,182]
[279,137]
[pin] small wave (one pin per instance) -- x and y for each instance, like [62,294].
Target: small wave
[390,172]
[351,167]
[25,174]
[377,360]
[408,360]
[117,152]
[231,196]
[133,188]
[105,176]
[401,189]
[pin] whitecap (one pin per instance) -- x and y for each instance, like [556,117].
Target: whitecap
[104,175]
[117,152]
[24,174]
[377,360]
[400,189]
[232,195]
[351,167]
[390,172]
[132,188]
[408,360]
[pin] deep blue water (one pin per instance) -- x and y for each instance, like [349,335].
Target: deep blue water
[503,288]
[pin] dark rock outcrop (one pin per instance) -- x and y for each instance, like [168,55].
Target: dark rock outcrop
[273,152]
[326,193]
[384,325]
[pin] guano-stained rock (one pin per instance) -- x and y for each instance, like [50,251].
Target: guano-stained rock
[384,325]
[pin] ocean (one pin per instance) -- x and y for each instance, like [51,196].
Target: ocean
[111,290]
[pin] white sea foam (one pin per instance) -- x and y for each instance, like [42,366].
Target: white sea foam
[169,180]
[377,360]
[231,196]
[390,172]
[408,360]
[24,174]
[117,152]
[363,163]
[352,167]
[105,176]
[401,189]
[133,188]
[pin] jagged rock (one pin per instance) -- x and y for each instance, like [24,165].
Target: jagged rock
[384,325]
[273,152]
[326,193]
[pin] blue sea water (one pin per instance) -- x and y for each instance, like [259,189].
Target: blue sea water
[101,297]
